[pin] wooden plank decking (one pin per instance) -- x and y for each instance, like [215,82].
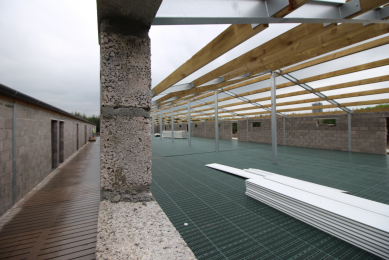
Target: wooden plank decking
[59,219]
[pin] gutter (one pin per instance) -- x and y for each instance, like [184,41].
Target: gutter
[16,94]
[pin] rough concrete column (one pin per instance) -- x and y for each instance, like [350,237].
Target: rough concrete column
[125,112]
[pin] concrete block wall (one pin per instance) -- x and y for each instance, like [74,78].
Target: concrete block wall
[6,120]
[260,134]
[368,132]
[33,148]
[225,130]
[33,145]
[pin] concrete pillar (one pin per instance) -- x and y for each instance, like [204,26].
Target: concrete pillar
[125,117]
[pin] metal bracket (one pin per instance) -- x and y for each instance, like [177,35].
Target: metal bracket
[377,14]
[214,81]
[242,76]
[274,6]
[311,90]
[343,10]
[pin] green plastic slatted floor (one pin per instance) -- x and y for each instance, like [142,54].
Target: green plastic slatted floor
[224,223]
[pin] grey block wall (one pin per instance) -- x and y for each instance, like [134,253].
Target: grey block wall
[368,132]
[33,148]
[125,112]
[225,130]
[6,120]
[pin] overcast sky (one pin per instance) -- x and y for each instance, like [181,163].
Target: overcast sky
[49,50]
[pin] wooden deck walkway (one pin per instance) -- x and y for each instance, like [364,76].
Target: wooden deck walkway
[59,219]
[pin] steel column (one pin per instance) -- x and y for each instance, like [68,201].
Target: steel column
[160,125]
[273,117]
[283,124]
[349,131]
[216,123]
[14,188]
[223,130]
[172,123]
[152,125]
[247,130]
[189,125]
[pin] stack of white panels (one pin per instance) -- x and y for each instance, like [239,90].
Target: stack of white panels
[361,222]
[181,134]
[177,134]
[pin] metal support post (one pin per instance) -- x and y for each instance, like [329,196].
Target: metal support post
[247,130]
[152,125]
[216,123]
[205,127]
[160,125]
[349,131]
[283,124]
[273,117]
[14,188]
[172,123]
[223,129]
[189,125]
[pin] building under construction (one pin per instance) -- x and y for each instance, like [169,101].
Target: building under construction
[234,164]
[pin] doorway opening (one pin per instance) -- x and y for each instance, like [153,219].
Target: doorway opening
[86,138]
[54,144]
[234,131]
[61,141]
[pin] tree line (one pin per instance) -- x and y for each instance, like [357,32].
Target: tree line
[93,119]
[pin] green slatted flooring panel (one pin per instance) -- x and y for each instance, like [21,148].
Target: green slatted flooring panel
[224,223]
[165,147]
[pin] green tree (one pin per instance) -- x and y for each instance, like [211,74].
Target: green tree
[93,119]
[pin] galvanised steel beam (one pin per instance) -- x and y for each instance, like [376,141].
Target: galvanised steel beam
[273,117]
[175,12]
[152,125]
[349,131]
[216,123]
[172,121]
[160,124]
[189,125]
[249,102]
[222,109]
[380,13]
[312,90]
[172,89]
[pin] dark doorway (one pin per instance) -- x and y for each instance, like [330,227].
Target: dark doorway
[61,141]
[86,135]
[187,128]
[234,131]
[54,144]
[77,137]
